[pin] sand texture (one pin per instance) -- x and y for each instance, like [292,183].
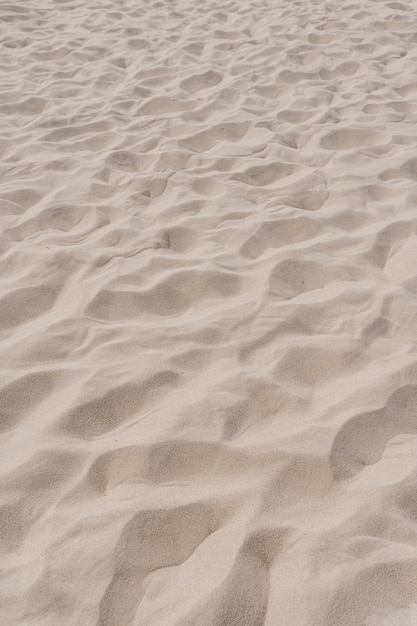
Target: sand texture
[208,313]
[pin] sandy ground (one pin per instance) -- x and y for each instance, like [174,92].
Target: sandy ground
[208,313]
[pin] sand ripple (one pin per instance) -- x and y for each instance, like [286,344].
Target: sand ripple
[208,313]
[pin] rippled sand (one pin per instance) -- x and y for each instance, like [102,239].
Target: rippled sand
[208,313]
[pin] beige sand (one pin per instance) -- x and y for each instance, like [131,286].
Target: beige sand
[208,314]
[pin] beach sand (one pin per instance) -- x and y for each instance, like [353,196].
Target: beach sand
[208,313]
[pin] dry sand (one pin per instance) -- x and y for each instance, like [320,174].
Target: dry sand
[208,314]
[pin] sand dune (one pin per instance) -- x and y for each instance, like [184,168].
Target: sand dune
[208,313]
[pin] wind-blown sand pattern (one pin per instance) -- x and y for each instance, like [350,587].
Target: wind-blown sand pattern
[208,313]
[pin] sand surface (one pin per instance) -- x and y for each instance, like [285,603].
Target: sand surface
[208,313]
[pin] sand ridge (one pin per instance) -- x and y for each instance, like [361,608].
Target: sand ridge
[208,313]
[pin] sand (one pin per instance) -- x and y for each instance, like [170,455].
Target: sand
[208,313]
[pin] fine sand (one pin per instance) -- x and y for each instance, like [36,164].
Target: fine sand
[208,313]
